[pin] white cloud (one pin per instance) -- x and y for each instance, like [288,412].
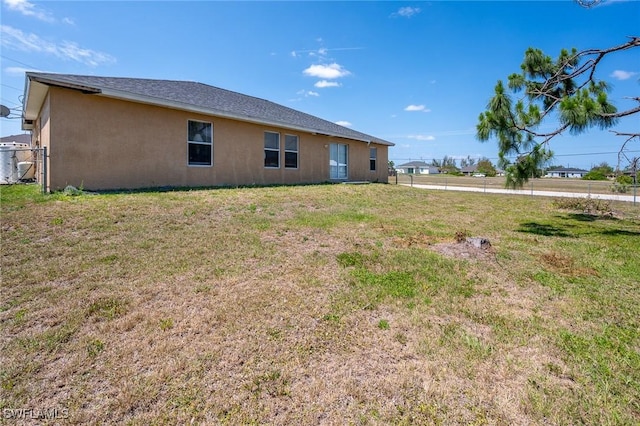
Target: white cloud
[19,71]
[330,71]
[422,137]
[344,123]
[323,51]
[307,93]
[324,83]
[623,75]
[609,2]
[417,108]
[28,9]
[407,12]
[71,50]
[15,39]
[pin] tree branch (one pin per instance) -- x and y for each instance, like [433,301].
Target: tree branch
[590,64]
[567,85]
[622,113]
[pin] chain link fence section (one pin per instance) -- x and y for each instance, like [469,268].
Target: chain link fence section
[21,164]
[558,187]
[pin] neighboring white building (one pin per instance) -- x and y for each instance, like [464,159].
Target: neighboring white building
[566,172]
[417,168]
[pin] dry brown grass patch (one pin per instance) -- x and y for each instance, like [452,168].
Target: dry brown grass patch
[565,264]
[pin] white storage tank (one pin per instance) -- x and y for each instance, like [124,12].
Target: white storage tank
[26,170]
[12,153]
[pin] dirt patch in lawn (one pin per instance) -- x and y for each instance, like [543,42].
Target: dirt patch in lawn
[465,250]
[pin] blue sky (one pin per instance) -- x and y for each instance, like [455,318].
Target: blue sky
[415,73]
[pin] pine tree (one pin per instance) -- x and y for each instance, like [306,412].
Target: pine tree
[564,89]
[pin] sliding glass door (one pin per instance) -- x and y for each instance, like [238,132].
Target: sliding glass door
[338,160]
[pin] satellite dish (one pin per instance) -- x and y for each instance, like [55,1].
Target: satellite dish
[4,111]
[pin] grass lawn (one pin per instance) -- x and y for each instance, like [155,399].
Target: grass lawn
[329,304]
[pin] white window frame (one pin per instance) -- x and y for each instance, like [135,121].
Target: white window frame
[271,149]
[338,166]
[373,156]
[199,142]
[296,151]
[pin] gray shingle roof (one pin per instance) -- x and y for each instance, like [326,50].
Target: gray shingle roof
[201,97]
[414,164]
[469,169]
[566,170]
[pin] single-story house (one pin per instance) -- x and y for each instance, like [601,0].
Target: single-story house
[566,172]
[469,170]
[126,133]
[418,168]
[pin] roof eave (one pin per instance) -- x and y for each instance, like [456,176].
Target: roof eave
[34,96]
[37,86]
[35,92]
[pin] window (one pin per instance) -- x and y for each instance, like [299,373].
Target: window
[373,155]
[290,151]
[200,143]
[271,149]
[338,161]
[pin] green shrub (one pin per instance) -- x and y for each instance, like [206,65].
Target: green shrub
[622,184]
[586,205]
[595,175]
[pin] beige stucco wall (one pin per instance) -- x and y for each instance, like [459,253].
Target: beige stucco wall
[40,137]
[103,143]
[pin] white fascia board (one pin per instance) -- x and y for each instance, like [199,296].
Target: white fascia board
[35,93]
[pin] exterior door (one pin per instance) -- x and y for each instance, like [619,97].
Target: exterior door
[338,161]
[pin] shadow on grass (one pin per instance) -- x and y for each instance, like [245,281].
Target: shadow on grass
[543,229]
[585,217]
[624,232]
[549,230]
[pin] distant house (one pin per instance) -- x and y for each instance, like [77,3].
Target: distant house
[565,172]
[469,170]
[417,168]
[120,133]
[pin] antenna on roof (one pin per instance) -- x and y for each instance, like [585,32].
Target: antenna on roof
[4,111]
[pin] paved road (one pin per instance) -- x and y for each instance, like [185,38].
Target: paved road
[615,197]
